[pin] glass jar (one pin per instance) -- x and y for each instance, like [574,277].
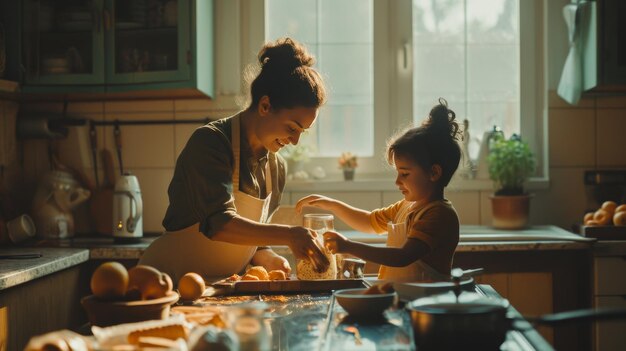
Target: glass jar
[248,323]
[320,224]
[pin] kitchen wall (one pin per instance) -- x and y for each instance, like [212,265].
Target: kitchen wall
[587,136]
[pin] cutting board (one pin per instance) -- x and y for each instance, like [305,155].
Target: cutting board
[294,286]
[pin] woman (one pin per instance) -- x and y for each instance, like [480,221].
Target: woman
[229,178]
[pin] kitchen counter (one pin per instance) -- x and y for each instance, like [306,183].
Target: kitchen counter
[69,253]
[17,271]
[318,322]
[473,238]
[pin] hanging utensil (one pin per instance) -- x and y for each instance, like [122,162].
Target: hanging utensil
[94,150]
[117,133]
[102,200]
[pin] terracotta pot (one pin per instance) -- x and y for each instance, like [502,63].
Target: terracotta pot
[510,212]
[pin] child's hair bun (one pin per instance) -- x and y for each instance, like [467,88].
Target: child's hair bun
[442,120]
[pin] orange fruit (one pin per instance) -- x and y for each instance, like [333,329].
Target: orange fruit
[619,218]
[603,217]
[621,208]
[151,283]
[109,281]
[191,286]
[588,216]
[609,206]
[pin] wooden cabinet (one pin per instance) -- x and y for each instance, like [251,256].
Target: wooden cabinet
[610,291]
[115,46]
[40,306]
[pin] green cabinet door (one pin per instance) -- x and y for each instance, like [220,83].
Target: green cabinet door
[62,43]
[147,41]
[118,45]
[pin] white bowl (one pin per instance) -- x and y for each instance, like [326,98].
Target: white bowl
[357,304]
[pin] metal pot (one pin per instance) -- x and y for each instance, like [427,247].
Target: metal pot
[471,321]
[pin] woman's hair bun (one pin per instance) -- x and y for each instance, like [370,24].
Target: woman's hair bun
[442,120]
[285,54]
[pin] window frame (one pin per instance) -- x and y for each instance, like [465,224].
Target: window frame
[241,28]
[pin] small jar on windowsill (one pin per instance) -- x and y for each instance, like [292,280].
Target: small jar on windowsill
[348,173]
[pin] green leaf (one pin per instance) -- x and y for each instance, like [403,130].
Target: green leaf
[511,163]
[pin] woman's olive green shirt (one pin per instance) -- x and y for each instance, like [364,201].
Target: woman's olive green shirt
[201,190]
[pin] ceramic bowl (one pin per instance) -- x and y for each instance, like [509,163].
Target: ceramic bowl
[357,304]
[105,313]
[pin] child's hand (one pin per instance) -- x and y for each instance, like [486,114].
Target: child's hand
[314,200]
[335,242]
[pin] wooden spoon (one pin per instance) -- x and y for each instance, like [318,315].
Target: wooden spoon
[102,199]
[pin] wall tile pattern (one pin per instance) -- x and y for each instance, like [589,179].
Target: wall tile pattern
[587,136]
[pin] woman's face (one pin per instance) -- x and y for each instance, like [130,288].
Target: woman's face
[281,127]
[412,180]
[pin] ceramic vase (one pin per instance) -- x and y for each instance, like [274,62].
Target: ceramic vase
[348,174]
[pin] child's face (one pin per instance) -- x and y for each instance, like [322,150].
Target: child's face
[412,180]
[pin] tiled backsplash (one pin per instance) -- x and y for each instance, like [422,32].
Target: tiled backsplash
[587,136]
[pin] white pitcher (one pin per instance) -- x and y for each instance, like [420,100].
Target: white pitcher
[127,208]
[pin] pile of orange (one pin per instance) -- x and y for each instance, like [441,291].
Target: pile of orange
[112,281]
[608,214]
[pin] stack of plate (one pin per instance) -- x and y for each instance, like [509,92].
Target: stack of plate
[55,65]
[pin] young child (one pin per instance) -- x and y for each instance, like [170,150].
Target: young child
[423,227]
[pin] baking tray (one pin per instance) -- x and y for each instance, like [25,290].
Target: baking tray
[292,286]
[604,232]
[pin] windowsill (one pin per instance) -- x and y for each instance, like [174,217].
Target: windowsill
[373,182]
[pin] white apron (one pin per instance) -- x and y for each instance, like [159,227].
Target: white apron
[396,237]
[188,250]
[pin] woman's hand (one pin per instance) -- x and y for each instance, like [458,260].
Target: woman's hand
[304,246]
[314,200]
[335,242]
[271,261]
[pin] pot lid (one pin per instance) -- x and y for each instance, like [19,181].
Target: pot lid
[465,303]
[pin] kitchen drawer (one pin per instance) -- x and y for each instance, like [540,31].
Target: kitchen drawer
[609,335]
[609,277]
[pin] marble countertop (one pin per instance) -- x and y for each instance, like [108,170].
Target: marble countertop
[482,238]
[17,271]
[473,239]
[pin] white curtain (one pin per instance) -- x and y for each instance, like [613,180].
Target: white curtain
[580,19]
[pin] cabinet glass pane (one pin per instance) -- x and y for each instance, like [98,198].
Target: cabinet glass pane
[59,37]
[146,36]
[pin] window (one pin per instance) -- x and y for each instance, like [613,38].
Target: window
[344,49]
[387,62]
[468,52]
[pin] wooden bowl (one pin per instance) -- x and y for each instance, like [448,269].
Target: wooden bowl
[105,313]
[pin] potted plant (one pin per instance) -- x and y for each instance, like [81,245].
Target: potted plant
[511,163]
[347,162]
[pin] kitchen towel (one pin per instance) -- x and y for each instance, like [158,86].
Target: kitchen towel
[579,17]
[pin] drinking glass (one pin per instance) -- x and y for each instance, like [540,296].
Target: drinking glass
[320,224]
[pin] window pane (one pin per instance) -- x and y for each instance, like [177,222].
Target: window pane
[467,51]
[343,46]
